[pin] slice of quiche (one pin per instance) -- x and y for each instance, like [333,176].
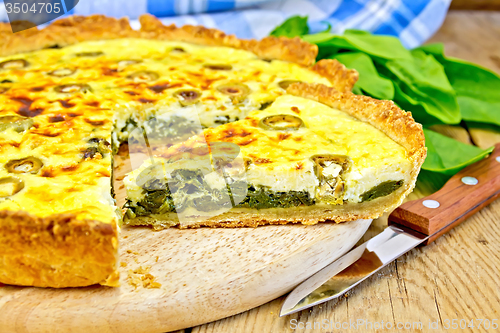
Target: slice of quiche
[313,155]
[74,91]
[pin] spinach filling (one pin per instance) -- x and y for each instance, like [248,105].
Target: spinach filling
[260,198]
[381,190]
[157,131]
[192,191]
[154,202]
[130,125]
[175,127]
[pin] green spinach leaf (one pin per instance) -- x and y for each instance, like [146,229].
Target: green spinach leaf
[294,26]
[369,81]
[380,47]
[408,100]
[448,156]
[477,88]
[424,78]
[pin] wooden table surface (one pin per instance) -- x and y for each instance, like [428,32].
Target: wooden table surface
[456,277]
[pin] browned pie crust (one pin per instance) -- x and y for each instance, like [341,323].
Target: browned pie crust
[76,29]
[341,79]
[61,251]
[56,251]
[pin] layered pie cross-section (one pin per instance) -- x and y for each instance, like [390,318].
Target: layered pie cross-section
[310,156]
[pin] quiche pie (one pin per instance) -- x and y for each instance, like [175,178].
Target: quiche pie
[221,132]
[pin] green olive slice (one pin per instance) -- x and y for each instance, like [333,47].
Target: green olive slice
[98,141]
[102,145]
[223,153]
[128,62]
[90,54]
[218,67]
[323,162]
[91,152]
[330,169]
[61,72]
[287,83]
[178,50]
[29,164]
[14,64]
[10,186]
[144,76]
[322,158]
[10,119]
[187,96]
[237,91]
[72,88]
[18,123]
[281,122]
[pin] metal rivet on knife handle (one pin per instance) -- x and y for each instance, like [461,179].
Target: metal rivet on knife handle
[458,199]
[431,203]
[469,180]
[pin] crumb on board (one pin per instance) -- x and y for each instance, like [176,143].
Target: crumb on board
[123,264]
[142,270]
[133,252]
[157,257]
[141,277]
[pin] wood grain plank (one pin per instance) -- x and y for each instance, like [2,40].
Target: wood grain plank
[475,5]
[473,36]
[457,276]
[484,135]
[456,132]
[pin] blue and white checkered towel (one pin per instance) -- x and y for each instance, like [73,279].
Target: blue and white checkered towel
[413,21]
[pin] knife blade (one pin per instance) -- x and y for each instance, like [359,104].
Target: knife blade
[351,269]
[414,223]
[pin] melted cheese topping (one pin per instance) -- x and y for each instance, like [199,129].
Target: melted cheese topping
[88,91]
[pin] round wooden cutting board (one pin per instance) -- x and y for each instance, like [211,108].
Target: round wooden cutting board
[173,279]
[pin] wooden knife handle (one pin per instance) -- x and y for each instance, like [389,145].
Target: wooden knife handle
[465,193]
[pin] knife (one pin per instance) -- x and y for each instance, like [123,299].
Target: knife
[414,223]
